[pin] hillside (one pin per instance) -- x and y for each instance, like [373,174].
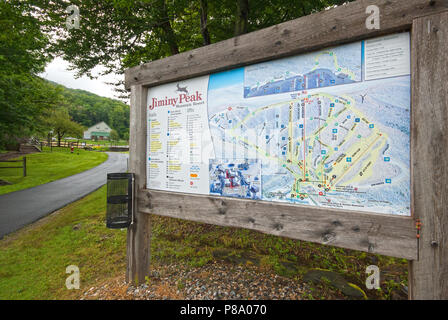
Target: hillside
[87,109]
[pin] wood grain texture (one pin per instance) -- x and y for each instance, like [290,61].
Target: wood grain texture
[375,233]
[339,25]
[139,233]
[429,275]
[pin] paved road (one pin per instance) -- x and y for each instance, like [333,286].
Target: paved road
[20,208]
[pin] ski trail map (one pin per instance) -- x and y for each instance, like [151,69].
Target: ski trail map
[329,128]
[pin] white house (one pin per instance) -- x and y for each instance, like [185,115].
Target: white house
[101,131]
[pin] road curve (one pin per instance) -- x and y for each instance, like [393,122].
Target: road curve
[19,208]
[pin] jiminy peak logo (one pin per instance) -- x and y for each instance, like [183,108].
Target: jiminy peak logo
[183,96]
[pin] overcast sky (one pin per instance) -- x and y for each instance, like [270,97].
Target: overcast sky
[57,71]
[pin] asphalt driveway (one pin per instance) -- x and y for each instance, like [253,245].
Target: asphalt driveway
[17,209]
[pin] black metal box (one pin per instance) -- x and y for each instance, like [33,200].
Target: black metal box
[120,198]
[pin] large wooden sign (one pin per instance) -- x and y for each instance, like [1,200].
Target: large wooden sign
[317,129]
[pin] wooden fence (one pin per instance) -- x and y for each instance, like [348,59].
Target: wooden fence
[80,144]
[63,144]
[16,161]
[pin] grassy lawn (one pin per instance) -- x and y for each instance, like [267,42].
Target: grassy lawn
[48,166]
[33,260]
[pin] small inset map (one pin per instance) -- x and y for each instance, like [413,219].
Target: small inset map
[235,178]
[331,67]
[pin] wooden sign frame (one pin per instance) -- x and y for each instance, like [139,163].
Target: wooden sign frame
[421,238]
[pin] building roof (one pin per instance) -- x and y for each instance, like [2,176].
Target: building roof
[98,124]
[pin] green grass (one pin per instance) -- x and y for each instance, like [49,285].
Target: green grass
[48,166]
[33,260]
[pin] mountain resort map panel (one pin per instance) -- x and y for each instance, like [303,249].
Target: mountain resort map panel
[329,128]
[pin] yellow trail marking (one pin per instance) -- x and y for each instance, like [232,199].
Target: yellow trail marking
[359,158]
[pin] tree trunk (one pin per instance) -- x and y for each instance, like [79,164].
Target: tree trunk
[204,28]
[242,14]
[170,37]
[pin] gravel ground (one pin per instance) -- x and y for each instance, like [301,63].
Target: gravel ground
[212,281]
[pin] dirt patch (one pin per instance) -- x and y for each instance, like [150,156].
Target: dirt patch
[4,183]
[236,257]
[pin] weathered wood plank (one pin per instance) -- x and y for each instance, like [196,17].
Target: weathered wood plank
[429,275]
[326,28]
[375,233]
[139,233]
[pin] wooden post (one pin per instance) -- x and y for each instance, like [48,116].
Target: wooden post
[24,166]
[139,233]
[428,276]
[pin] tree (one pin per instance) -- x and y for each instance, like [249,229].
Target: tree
[61,124]
[125,136]
[114,135]
[120,34]
[23,54]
